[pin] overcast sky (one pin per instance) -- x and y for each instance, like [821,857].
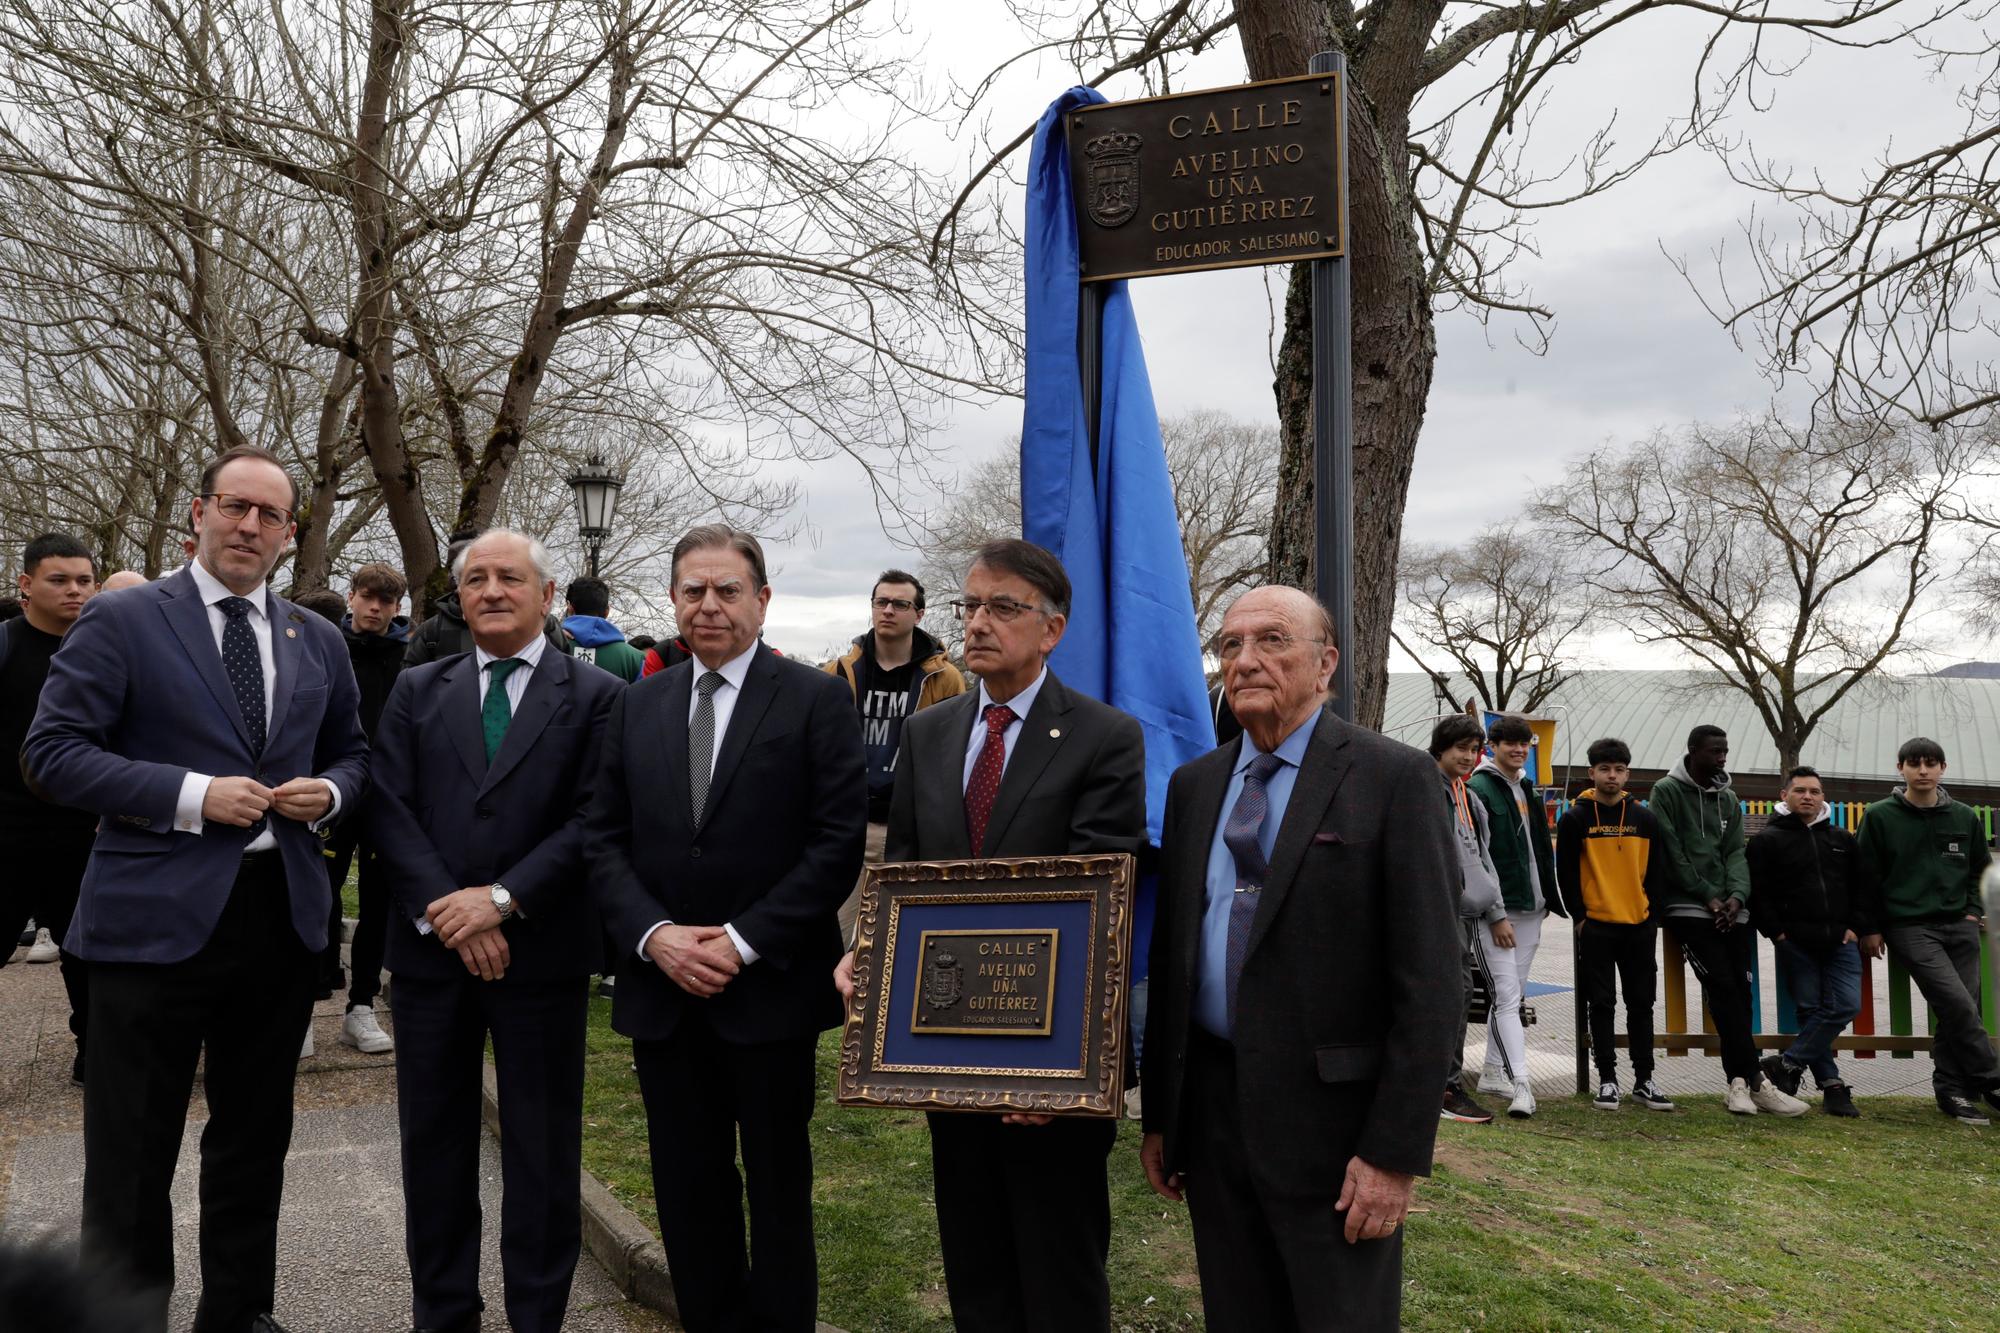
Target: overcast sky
[1633,349]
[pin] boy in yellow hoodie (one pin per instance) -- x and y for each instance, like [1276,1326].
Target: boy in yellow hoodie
[1605,869]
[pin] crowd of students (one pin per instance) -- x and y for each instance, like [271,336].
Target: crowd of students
[1908,886]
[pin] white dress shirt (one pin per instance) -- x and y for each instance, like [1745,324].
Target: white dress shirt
[723,703]
[1020,703]
[517,681]
[194,786]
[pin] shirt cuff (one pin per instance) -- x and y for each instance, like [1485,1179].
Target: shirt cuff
[332,811]
[187,810]
[649,935]
[743,948]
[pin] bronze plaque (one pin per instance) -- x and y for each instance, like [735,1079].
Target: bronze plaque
[987,982]
[1221,179]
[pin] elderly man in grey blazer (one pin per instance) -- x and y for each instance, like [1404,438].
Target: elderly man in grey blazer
[1305,989]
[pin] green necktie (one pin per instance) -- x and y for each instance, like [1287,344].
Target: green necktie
[496,713]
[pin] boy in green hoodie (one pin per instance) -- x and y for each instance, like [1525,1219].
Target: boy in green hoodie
[1707,906]
[1928,854]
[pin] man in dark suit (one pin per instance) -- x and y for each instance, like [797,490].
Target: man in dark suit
[1023,767]
[211,726]
[1304,989]
[483,770]
[726,830]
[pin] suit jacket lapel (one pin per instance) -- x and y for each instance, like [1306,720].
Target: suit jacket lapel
[462,701]
[285,650]
[1041,736]
[538,704]
[1326,766]
[946,762]
[673,738]
[759,688]
[189,618]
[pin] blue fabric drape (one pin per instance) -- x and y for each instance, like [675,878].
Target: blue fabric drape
[1132,639]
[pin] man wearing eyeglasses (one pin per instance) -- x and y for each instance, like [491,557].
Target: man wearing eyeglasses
[727,826]
[213,728]
[1024,766]
[894,670]
[1304,989]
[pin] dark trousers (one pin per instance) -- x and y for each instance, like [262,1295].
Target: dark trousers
[1721,959]
[371,922]
[1612,956]
[1943,959]
[1024,1217]
[538,1039]
[1473,930]
[1268,1245]
[43,876]
[244,1000]
[1826,988]
[703,1095]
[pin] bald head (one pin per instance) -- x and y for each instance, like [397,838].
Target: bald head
[124,578]
[1278,656]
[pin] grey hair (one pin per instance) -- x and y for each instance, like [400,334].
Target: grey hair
[538,554]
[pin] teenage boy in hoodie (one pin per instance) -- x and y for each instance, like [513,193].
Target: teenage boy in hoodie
[1926,854]
[1457,742]
[894,670]
[1807,876]
[1700,824]
[1606,871]
[597,639]
[1521,853]
[377,639]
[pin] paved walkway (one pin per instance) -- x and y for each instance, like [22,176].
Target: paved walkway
[340,1257]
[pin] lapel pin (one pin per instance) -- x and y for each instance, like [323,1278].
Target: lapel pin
[1055,733]
[291,633]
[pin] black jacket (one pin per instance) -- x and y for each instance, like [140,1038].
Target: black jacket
[378,660]
[1808,884]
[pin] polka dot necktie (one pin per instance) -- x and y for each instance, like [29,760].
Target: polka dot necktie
[1240,834]
[701,744]
[245,666]
[986,770]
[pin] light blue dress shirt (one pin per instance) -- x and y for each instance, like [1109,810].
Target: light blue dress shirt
[1211,991]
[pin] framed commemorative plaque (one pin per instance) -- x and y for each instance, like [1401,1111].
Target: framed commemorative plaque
[995,985]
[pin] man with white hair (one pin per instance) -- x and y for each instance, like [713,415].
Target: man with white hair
[486,762]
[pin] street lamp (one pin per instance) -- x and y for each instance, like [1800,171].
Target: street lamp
[595,487]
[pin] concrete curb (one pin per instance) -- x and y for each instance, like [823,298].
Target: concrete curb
[623,1246]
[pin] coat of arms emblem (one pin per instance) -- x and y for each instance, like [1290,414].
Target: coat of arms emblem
[1112,196]
[944,981]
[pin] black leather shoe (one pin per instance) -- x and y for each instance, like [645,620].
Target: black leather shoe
[469,1324]
[264,1323]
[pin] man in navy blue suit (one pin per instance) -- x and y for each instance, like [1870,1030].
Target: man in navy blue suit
[210,725]
[483,769]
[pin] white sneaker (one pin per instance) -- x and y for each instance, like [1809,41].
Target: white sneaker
[44,949]
[1774,1100]
[1495,1080]
[1523,1105]
[306,1051]
[1134,1107]
[1738,1100]
[363,1033]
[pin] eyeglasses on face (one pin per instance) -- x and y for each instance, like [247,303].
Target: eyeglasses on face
[894,604]
[1271,642]
[1000,608]
[234,507]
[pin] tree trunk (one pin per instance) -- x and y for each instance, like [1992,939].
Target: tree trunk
[1395,342]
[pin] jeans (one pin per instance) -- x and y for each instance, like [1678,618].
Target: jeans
[1473,931]
[1826,987]
[1506,1039]
[1612,953]
[1943,959]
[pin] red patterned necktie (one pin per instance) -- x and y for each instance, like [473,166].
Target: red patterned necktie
[985,783]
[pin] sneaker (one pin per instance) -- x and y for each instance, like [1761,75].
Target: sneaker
[1774,1100]
[1134,1108]
[1607,1096]
[306,1050]
[1783,1073]
[28,933]
[1459,1106]
[1835,1099]
[363,1033]
[607,986]
[1647,1094]
[1962,1109]
[44,949]
[1523,1105]
[1993,1096]
[1496,1081]
[1737,1100]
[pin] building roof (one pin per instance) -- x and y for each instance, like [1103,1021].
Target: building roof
[1653,711]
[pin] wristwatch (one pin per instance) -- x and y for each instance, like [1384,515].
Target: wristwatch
[503,901]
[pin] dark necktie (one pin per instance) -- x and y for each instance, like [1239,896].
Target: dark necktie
[496,712]
[245,666]
[701,743]
[986,771]
[1240,835]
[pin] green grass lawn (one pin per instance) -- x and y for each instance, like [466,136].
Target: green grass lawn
[1577,1220]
